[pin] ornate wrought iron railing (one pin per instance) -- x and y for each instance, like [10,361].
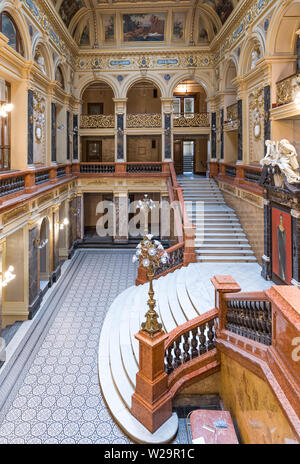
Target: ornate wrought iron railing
[42,177]
[250,318]
[190,341]
[287,89]
[97,168]
[61,172]
[11,185]
[175,260]
[194,120]
[143,167]
[230,171]
[97,121]
[232,112]
[144,120]
[252,175]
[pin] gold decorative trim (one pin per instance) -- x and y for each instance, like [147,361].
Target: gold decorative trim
[199,120]
[45,198]
[144,120]
[97,121]
[16,212]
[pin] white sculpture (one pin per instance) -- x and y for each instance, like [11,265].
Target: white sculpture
[255,56]
[283,154]
[41,62]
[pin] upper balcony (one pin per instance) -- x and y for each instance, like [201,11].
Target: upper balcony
[191,120]
[287,98]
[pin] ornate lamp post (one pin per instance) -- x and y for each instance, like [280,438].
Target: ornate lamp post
[146,205]
[150,254]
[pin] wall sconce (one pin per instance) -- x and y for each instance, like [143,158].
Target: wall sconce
[5,108]
[8,276]
[65,222]
[40,243]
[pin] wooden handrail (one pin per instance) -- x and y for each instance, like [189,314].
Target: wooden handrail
[190,325]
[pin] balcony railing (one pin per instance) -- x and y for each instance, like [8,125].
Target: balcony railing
[287,89]
[191,120]
[149,120]
[97,168]
[232,113]
[11,185]
[97,121]
[243,176]
[133,168]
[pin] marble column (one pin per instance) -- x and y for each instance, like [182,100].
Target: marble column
[2,341]
[213,135]
[30,128]
[75,137]
[267,107]
[266,258]
[53,132]
[240,131]
[120,136]
[167,145]
[222,134]
[55,244]
[35,295]
[68,135]
[121,217]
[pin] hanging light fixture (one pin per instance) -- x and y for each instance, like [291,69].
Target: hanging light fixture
[5,108]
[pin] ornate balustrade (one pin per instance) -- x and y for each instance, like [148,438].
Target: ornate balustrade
[250,318]
[197,120]
[97,121]
[176,255]
[232,112]
[97,168]
[230,171]
[246,177]
[287,89]
[61,171]
[149,120]
[12,184]
[257,330]
[42,177]
[194,339]
[134,168]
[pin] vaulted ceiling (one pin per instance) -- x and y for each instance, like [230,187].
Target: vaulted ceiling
[67,9]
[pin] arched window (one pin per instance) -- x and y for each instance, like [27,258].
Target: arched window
[59,77]
[9,29]
[298,54]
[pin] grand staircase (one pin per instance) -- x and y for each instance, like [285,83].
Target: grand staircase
[219,235]
[180,296]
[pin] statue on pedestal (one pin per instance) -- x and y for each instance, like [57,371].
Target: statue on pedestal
[283,154]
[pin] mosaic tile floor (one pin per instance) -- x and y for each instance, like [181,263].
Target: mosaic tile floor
[57,398]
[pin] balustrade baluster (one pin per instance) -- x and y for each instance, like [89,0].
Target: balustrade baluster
[194,343]
[169,357]
[202,339]
[186,348]
[211,335]
[177,352]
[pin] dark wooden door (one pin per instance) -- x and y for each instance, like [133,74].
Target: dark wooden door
[178,156]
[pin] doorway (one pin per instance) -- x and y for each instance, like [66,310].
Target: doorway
[188,157]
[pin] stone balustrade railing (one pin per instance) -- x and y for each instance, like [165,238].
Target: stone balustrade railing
[287,89]
[192,120]
[97,121]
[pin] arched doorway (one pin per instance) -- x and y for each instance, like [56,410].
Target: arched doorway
[191,128]
[144,112]
[229,152]
[97,112]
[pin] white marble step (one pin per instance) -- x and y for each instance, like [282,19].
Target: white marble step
[225,259]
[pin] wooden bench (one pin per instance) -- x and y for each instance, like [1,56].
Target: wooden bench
[206,427]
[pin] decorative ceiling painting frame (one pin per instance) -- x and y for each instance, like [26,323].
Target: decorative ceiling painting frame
[108,21]
[179,26]
[144,27]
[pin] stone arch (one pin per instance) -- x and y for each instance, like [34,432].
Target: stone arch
[22,26]
[248,47]
[90,79]
[59,64]
[40,43]
[153,79]
[281,39]
[229,71]
[198,77]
